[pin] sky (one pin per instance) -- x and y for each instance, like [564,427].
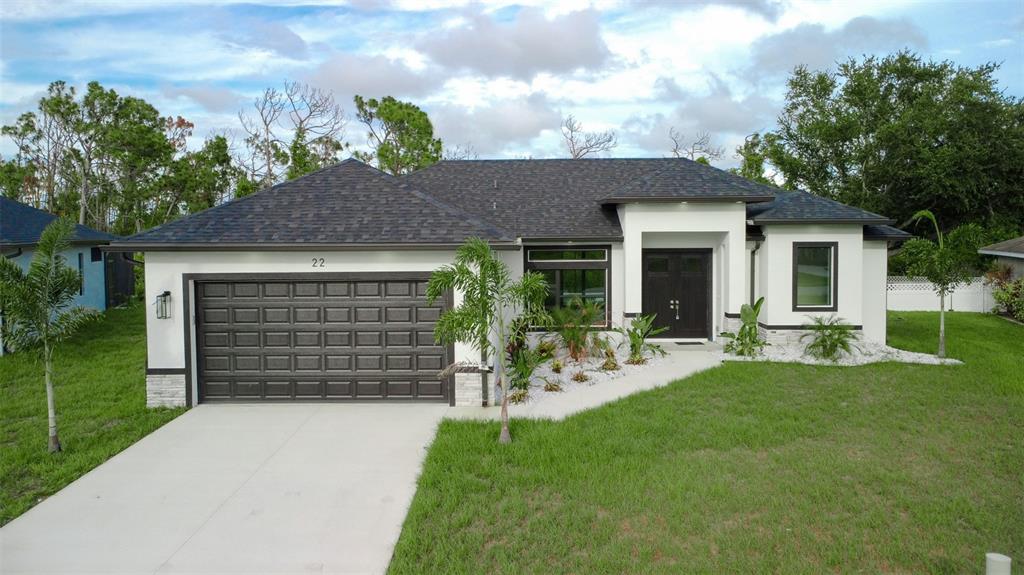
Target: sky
[495,76]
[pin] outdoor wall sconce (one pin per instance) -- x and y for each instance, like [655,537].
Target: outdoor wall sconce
[163,305]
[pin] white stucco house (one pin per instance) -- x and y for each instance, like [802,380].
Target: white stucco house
[314,289]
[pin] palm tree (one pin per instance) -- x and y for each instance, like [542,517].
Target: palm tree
[37,306]
[943,264]
[491,301]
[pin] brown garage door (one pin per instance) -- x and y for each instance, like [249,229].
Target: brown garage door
[346,339]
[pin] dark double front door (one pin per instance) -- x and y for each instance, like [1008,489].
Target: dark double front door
[677,287]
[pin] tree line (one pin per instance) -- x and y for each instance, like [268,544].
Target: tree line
[892,135]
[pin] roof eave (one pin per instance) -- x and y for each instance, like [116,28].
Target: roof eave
[784,221]
[679,199]
[1002,254]
[285,247]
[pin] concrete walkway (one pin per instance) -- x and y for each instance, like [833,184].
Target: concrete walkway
[680,362]
[321,488]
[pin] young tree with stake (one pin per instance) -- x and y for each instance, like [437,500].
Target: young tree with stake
[37,306]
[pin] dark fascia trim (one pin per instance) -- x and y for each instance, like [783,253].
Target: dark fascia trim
[267,247]
[165,371]
[835,275]
[72,242]
[534,242]
[678,199]
[886,238]
[864,221]
[802,327]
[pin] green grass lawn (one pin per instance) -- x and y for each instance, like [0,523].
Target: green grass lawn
[101,409]
[749,468]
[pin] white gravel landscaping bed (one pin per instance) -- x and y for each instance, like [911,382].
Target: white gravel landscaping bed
[865,353]
[590,366]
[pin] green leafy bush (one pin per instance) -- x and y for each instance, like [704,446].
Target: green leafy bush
[1009,295]
[636,336]
[831,338]
[748,341]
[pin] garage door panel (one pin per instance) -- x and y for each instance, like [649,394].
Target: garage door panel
[334,339]
[281,340]
[308,339]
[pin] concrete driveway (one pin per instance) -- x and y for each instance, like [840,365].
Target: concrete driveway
[305,488]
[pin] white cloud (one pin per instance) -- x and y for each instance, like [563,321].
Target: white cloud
[530,44]
[502,128]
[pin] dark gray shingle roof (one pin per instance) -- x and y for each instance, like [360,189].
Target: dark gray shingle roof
[21,225]
[874,232]
[571,198]
[348,203]
[795,207]
[1009,248]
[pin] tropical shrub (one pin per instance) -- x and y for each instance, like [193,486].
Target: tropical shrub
[523,364]
[831,338]
[747,341]
[1010,298]
[556,366]
[573,325]
[611,363]
[519,396]
[552,386]
[636,336]
[580,377]
[546,349]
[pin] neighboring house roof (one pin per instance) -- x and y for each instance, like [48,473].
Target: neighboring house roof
[798,207]
[885,233]
[1009,249]
[345,204]
[352,204]
[22,225]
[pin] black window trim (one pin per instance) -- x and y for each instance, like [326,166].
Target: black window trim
[835,275]
[605,264]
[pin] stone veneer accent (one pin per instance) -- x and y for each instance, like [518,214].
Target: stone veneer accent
[165,389]
[469,391]
[788,336]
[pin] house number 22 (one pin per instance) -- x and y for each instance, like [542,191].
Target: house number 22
[318,263]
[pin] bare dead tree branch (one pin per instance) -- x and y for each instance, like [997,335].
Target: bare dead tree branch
[701,147]
[581,144]
[460,152]
[262,141]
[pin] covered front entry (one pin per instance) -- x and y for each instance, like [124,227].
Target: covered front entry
[677,288]
[329,337]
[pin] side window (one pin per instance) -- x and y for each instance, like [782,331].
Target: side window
[572,273]
[96,255]
[815,276]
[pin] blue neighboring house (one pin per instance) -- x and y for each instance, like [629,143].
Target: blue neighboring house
[108,278]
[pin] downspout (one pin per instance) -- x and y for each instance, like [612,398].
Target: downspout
[14,254]
[753,281]
[130,260]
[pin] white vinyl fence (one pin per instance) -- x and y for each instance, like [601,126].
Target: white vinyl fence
[918,294]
